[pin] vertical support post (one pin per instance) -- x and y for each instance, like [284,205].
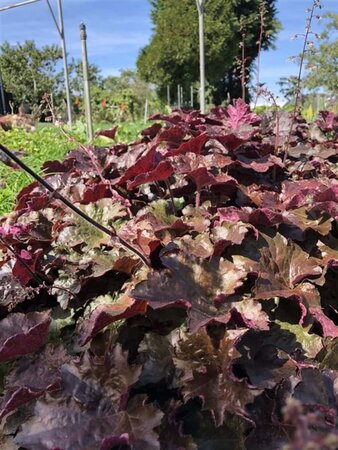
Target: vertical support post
[192,96]
[178,96]
[65,65]
[88,109]
[146,107]
[243,68]
[168,95]
[200,8]
[2,96]
[182,98]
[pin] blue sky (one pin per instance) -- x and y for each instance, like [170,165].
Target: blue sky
[118,29]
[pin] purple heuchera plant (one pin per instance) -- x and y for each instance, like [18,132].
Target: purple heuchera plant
[227,338]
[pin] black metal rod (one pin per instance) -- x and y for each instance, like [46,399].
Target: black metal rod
[71,206]
[23,262]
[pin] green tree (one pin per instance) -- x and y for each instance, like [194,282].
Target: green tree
[172,56]
[130,89]
[123,97]
[288,87]
[76,77]
[29,72]
[77,85]
[322,62]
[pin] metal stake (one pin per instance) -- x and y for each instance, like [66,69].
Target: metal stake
[200,8]
[178,96]
[88,109]
[60,28]
[168,95]
[146,107]
[2,96]
[192,96]
[65,65]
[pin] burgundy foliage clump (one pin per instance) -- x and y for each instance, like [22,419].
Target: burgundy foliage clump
[227,339]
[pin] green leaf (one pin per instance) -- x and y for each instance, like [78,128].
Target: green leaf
[311,343]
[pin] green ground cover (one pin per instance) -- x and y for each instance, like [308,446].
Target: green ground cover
[46,143]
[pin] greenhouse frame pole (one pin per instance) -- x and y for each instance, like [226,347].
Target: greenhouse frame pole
[200,8]
[16,5]
[2,96]
[60,28]
[65,65]
[88,108]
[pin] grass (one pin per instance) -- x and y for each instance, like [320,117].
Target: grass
[46,143]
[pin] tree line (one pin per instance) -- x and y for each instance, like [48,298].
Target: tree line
[235,32]
[29,73]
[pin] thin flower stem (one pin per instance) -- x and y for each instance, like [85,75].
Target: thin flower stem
[243,75]
[41,278]
[71,206]
[262,12]
[171,197]
[299,78]
[22,261]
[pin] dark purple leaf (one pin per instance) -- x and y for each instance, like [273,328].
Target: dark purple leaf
[152,131]
[52,167]
[115,442]
[69,428]
[64,427]
[329,195]
[328,327]
[26,266]
[193,145]
[260,165]
[230,141]
[111,133]
[198,286]
[207,374]
[283,266]
[12,293]
[21,334]
[327,121]
[202,177]
[173,136]
[32,378]
[162,172]
[104,315]
[100,383]
[265,359]
[150,167]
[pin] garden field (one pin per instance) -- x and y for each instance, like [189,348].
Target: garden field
[46,143]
